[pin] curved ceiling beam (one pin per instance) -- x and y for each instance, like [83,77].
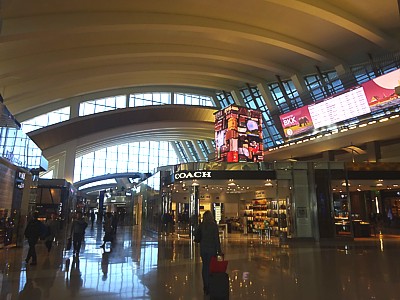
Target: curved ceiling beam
[339,17]
[146,118]
[124,91]
[55,88]
[35,92]
[180,132]
[36,62]
[36,28]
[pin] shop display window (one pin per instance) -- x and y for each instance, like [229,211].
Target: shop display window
[267,214]
[341,213]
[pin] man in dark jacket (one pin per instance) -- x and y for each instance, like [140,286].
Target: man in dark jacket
[78,232]
[32,233]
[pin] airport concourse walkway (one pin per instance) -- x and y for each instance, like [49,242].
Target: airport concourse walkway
[146,267]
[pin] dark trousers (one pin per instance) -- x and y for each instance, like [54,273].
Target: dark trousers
[32,250]
[49,244]
[205,272]
[77,242]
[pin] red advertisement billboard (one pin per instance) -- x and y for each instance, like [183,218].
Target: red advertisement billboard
[296,122]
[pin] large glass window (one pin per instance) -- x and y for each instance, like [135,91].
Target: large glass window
[204,148]
[182,152]
[101,105]
[142,157]
[254,100]
[189,99]
[193,152]
[18,148]
[368,71]
[50,118]
[326,86]
[279,96]
[146,99]
[225,99]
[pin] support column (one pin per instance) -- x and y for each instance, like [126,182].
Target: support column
[328,155]
[187,152]
[301,88]
[238,97]
[374,151]
[216,102]
[172,98]
[74,108]
[272,107]
[199,151]
[346,77]
[211,155]
[69,164]
[194,208]
[303,207]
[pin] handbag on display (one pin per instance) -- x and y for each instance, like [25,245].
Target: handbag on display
[218,264]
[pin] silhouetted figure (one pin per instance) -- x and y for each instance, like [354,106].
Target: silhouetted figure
[108,230]
[54,227]
[209,246]
[78,232]
[92,217]
[32,233]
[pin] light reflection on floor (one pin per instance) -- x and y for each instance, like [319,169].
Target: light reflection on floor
[170,268]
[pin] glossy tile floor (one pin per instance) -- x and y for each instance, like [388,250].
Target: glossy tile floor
[145,267]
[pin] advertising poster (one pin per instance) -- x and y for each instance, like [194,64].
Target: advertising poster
[238,135]
[380,92]
[296,122]
[370,96]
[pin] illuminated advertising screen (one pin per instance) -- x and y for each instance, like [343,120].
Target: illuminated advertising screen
[370,96]
[380,92]
[341,107]
[297,121]
[238,135]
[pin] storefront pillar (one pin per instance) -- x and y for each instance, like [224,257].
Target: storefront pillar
[302,197]
[194,208]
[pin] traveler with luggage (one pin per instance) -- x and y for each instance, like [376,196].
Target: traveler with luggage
[208,236]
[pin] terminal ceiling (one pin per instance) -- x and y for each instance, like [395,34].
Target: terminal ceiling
[50,53]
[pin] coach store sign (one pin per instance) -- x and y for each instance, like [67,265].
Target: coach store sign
[251,175]
[192,175]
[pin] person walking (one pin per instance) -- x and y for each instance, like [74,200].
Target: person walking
[108,230]
[32,233]
[78,232]
[210,246]
[54,226]
[92,217]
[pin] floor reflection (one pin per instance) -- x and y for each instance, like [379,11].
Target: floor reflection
[153,267]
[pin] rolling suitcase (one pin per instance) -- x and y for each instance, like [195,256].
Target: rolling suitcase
[219,286]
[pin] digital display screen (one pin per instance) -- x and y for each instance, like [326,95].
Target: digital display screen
[370,96]
[238,135]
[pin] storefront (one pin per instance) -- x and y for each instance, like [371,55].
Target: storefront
[20,162]
[245,198]
[285,200]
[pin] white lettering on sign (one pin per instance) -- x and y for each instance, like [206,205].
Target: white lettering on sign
[189,175]
[289,121]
